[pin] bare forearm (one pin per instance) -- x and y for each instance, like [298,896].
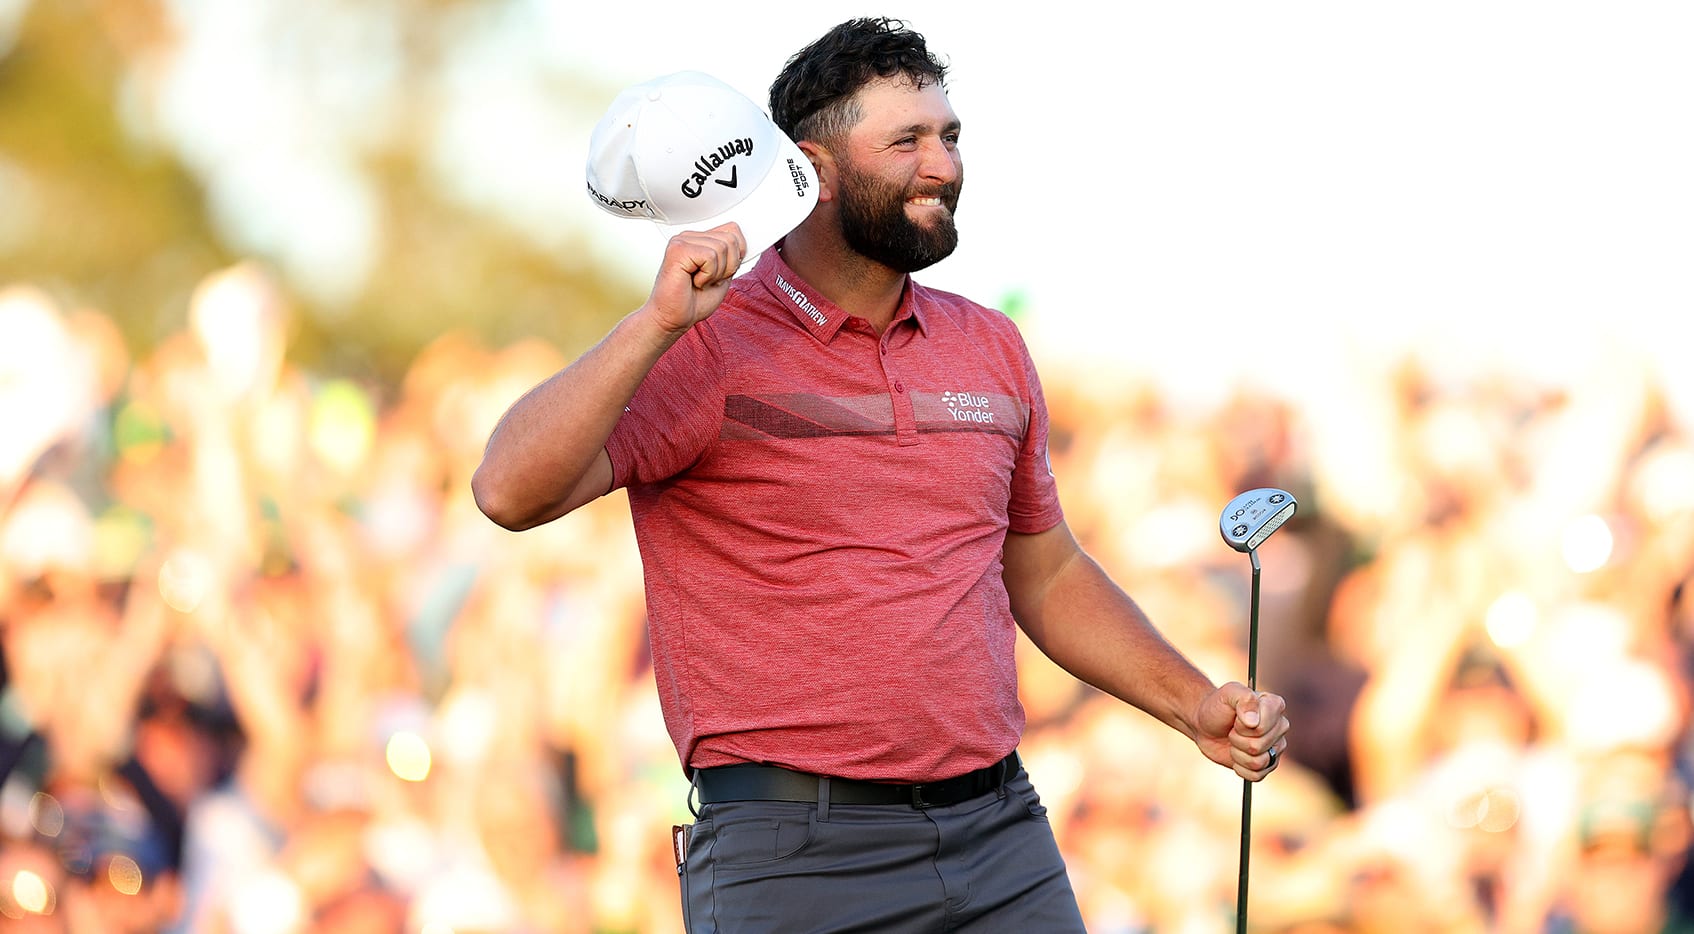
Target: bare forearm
[541,453]
[546,457]
[1093,629]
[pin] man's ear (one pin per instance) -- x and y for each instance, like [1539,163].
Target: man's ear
[823,164]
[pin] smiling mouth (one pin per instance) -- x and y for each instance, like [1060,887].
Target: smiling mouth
[926,202]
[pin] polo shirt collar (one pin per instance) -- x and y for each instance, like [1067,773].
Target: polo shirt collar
[818,315]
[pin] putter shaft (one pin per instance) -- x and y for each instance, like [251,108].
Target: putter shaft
[1247,786]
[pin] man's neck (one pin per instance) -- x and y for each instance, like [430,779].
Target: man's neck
[857,285]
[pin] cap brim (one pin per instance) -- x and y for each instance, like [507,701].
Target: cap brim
[778,203]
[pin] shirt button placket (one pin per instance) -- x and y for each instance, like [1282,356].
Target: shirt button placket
[905,418]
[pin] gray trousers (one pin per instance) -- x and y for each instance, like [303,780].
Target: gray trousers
[985,865]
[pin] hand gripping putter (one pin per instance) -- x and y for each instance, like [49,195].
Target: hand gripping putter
[1246,522]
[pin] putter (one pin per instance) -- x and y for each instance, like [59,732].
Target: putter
[1246,522]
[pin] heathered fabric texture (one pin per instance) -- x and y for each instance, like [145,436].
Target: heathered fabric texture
[820,514]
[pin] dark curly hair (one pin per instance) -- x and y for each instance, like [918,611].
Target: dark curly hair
[813,96]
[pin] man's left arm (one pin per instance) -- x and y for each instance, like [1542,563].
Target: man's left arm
[1073,611]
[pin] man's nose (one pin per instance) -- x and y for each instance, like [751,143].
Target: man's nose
[940,162]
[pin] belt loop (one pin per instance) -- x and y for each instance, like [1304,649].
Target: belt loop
[823,798]
[1004,767]
[693,788]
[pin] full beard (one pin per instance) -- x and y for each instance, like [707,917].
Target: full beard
[875,225]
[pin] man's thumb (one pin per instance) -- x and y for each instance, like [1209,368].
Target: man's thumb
[1246,703]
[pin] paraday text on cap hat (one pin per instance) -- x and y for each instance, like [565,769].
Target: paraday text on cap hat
[689,152]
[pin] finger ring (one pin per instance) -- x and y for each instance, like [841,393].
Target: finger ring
[1272,754]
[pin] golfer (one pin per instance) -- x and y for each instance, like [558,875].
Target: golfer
[840,489]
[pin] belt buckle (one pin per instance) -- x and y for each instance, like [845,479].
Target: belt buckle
[917,799]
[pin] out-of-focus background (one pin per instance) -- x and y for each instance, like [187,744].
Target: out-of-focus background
[271,269]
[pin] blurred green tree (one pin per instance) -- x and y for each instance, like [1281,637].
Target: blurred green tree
[104,212]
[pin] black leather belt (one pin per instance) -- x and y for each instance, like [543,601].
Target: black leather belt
[773,783]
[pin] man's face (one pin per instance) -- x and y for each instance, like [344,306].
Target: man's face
[900,176]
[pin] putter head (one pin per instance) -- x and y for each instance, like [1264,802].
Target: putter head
[1250,518]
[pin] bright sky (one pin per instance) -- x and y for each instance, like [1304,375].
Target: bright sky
[1205,192]
[1202,188]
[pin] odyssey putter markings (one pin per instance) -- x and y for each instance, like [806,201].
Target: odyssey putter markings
[1250,518]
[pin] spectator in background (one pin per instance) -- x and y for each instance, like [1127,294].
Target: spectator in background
[1631,842]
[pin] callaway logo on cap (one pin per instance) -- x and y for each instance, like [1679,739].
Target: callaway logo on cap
[690,152]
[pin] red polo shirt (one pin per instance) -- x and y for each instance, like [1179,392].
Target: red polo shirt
[820,513]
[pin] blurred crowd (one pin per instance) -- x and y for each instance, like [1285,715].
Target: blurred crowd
[267,670]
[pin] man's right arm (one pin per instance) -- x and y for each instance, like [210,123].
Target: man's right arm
[547,455]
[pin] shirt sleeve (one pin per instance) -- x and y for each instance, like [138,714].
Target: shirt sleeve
[1034,505]
[676,413]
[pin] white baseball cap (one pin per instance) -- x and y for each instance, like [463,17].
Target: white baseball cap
[689,152]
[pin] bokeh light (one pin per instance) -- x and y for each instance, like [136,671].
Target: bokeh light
[1511,619]
[342,424]
[124,874]
[48,528]
[1587,544]
[121,537]
[32,893]
[1493,810]
[46,815]
[268,903]
[408,756]
[235,317]
[185,580]
[45,386]
[1665,483]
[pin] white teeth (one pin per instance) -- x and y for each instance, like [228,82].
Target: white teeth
[927,201]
